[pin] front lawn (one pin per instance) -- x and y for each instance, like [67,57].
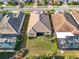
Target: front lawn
[10,5]
[29,4]
[38,46]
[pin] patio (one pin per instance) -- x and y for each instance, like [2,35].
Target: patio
[69,43]
[7,44]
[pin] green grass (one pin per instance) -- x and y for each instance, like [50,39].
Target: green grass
[1,3]
[6,55]
[38,45]
[8,5]
[6,12]
[25,24]
[29,4]
[55,46]
[24,28]
[27,12]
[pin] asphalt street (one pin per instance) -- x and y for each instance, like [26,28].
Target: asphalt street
[40,8]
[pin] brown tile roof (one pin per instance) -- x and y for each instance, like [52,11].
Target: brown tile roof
[5,27]
[34,18]
[75,14]
[38,23]
[40,27]
[11,25]
[60,24]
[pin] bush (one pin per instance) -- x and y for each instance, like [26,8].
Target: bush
[73,3]
[12,3]
[18,43]
[1,3]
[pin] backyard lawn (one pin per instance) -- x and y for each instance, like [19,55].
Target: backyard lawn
[38,46]
[66,53]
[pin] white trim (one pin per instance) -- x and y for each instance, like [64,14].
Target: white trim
[74,18]
[63,34]
[21,23]
[33,35]
[10,50]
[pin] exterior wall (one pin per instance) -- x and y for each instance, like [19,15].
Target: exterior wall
[48,33]
[31,35]
[39,34]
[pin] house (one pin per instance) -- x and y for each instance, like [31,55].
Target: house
[64,1]
[63,26]
[66,31]
[68,1]
[10,27]
[4,1]
[56,1]
[73,1]
[39,24]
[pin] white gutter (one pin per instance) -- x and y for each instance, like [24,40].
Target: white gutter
[74,18]
[21,24]
[63,34]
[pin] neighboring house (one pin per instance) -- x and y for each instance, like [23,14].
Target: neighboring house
[64,1]
[69,1]
[39,24]
[63,26]
[66,31]
[10,27]
[56,1]
[30,0]
[4,1]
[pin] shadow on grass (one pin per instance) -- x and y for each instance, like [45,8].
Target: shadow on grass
[6,55]
[24,30]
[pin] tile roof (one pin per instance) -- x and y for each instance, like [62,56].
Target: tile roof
[16,20]
[39,23]
[34,18]
[10,25]
[61,24]
[75,14]
[5,27]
